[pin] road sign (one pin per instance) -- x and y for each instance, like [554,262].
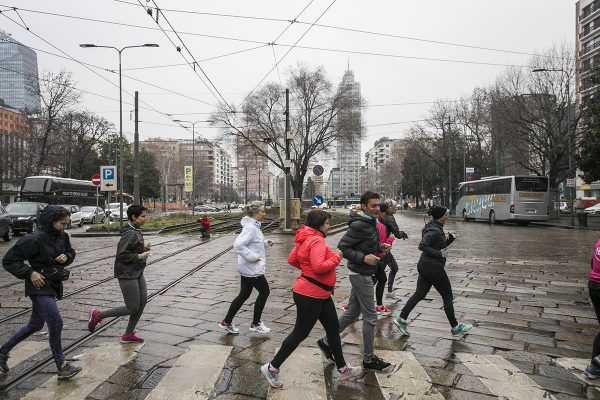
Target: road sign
[571,182]
[188,178]
[108,178]
[469,170]
[317,200]
[571,174]
[318,170]
[96,180]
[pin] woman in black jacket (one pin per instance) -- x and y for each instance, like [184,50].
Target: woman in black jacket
[48,251]
[434,247]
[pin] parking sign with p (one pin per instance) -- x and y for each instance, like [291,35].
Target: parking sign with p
[108,178]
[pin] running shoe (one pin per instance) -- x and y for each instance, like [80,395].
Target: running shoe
[67,371]
[260,328]
[461,329]
[402,325]
[592,372]
[348,373]
[392,296]
[230,328]
[94,319]
[4,363]
[132,338]
[326,350]
[383,311]
[272,376]
[344,307]
[378,365]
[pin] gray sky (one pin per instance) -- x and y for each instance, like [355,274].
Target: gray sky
[527,26]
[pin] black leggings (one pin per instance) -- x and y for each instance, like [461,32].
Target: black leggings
[379,279]
[595,297]
[247,284]
[432,275]
[308,311]
[391,262]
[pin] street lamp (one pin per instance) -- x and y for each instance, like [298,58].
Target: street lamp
[89,45]
[193,158]
[568,133]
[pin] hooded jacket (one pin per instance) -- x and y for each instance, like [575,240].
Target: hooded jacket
[40,248]
[251,246]
[127,263]
[361,239]
[433,240]
[595,272]
[316,260]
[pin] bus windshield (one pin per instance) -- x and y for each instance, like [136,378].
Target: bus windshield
[531,184]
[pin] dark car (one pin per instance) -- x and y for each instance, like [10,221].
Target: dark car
[6,225]
[25,215]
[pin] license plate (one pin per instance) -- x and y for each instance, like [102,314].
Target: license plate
[530,211]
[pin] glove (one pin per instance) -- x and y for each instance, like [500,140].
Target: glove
[444,252]
[451,238]
[403,235]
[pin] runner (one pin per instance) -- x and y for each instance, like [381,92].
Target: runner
[593,370]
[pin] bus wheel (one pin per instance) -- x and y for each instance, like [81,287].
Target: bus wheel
[492,217]
[464,215]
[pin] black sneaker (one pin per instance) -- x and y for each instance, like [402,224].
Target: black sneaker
[4,363]
[67,371]
[377,364]
[325,350]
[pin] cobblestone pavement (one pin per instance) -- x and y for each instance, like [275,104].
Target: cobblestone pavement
[524,289]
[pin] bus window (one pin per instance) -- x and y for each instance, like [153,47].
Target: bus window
[531,184]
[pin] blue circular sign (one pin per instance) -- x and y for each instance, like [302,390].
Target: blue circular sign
[318,170]
[317,200]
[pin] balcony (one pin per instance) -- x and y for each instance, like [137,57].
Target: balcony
[586,32]
[589,12]
[589,48]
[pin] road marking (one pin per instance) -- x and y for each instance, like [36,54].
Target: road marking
[502,378]
[408,380]
[97,365]
[25,350]
[194,374]
[302,376]
[576,366]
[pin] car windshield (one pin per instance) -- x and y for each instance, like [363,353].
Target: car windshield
[88,209]
[22,208]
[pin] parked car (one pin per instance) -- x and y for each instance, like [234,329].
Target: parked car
[93,215]
[6,225]
[110,207]
[593,210]
[564,207]
[322,206]
[25,215]
[76,215]
[115,214]
[354,206]
[205,208]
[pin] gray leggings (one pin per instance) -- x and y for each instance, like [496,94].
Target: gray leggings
[135,295]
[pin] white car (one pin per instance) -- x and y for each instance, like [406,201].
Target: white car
[76,214]
[322,206]
[593,210]
[115,214]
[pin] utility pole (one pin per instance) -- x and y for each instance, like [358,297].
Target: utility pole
[449,138]
[136,155]
[288,162]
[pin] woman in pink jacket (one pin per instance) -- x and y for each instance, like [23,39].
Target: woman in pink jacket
[312,295]
[593,370]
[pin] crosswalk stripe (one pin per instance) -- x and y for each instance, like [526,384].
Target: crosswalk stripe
[302,376]
[579,365]
[408,380]
[97,364]
[502,378]
[194,374]
[25,350]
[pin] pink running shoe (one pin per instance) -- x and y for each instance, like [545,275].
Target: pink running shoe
[94,319]
[131,339]
[344,307]
[383,311]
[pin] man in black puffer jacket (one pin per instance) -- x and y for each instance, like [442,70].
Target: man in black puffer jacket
[360,245]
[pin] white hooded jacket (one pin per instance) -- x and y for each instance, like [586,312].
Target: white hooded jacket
[251,245]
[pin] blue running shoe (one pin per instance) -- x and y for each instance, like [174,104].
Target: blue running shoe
[592,372]
[461,329]
[402,325]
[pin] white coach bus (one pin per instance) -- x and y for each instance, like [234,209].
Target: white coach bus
[504,198]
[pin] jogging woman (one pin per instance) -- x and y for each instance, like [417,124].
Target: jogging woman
[312,295]
[593,370]
[48,251]
[130,263]
[250,246]
[434,247]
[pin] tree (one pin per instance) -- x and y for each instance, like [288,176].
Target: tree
[590,142]
[310,189]
[149,175]
[314,108]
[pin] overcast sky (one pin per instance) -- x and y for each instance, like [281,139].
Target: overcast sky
[388,79]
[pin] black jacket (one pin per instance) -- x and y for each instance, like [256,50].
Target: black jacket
[360,239]
[40,248]
[127,264]
[391,227]
[433,240]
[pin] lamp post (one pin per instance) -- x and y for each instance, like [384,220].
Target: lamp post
[568,134]
[89,45]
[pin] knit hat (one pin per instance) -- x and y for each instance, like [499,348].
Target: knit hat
[383,207]
[437,212]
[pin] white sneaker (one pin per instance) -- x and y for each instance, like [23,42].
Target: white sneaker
[260,328]
[272,377]
[350,374]
[230,328]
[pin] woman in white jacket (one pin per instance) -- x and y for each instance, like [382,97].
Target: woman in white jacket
[250,246]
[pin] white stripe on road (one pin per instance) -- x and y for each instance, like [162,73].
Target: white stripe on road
[408,380]
[24,350]
[97,365]
[302,377]
[194,374]
[502,378]
[576,366]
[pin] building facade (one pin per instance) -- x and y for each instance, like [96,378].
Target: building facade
[19,84]
[252,175]
[383,165]
[13,141]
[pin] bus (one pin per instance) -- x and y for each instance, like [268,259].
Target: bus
[54,190]
[522,199]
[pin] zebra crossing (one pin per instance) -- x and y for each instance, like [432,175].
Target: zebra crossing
[195,373]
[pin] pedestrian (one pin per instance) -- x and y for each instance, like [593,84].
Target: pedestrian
[48,251]
[360,246]
[593,370]
[379,277]
[387,210]
[130,263]
[312,296]
[434,247]
[205,229]
[228,207]
[251,248]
